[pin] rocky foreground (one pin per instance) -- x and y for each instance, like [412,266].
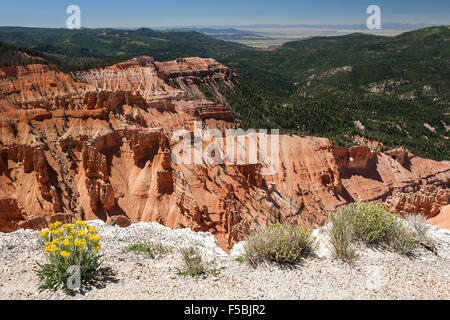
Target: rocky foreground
[377,274]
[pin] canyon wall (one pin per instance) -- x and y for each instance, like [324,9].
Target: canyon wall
[97,144]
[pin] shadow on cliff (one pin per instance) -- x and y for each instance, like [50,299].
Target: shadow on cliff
[370,171]
[344,194]
[103,214]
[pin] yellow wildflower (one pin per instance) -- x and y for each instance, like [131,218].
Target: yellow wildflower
[80,223]
[51,249]
[81,233]
[92,230]
[80,243]
[44,233]
[65,254]
[94,238]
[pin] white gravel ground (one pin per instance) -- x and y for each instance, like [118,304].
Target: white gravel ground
[377,274]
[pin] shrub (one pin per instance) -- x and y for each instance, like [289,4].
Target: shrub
[341,237]
[417,224]
[153,250]
[371,223]
[429,243]
[193,264]
[69,247]
[283,244]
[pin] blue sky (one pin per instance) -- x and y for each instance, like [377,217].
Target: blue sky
[135,13]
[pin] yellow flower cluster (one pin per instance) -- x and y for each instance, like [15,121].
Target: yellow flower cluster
[70,239]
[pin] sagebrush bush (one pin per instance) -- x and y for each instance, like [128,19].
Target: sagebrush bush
[283,244]
[373,224]
[417,224]
[69,246]
[193,264]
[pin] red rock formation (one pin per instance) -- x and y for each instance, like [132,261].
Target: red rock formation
[203,110]
[442,220]
[135,76]
[192,69]
[35,86]
[10,214]
[112,100]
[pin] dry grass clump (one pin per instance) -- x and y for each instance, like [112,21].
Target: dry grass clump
[370,223]
[283,244]
[153,250]
[193,264]
[341,236]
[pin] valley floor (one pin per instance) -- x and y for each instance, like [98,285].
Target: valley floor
[377,274]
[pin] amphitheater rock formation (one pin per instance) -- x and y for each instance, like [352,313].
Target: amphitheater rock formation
[99,144]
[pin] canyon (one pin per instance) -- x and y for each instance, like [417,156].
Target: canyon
[96,144]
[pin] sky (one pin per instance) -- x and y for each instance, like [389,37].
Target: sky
[172,13]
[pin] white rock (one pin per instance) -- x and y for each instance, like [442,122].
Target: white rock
[238,249]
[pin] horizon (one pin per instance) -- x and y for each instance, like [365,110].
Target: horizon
[200,13]
[255,26]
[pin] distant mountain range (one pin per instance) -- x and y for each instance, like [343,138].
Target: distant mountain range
[114,43]
[232,28]
[266,35]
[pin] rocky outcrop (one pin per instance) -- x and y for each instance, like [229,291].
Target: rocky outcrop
[97,180]
[427,200]
[37,86]
[192,70]
[112,100]
[355,157]
[202,110]
[138,75]
[10,214]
